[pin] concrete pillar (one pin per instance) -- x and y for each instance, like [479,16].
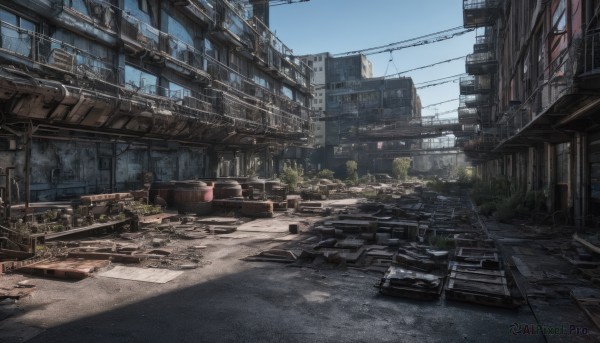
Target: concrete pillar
[550,189]
[580,179]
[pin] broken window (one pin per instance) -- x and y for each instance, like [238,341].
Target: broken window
[16,33]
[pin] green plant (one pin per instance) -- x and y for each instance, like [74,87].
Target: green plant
[400,166]
[292,176]
[325,174]
[351,171]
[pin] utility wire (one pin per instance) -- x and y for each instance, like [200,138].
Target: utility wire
[443,78]
[439,103]
[427,66]
[423,42]
[401,42]
[436,84]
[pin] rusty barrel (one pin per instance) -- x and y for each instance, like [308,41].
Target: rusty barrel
[226,189]
[163,190]
[193,197]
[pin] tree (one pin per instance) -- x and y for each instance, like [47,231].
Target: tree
[351,167]
[292,175]
[400,167]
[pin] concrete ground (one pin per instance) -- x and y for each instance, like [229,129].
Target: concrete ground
[228,300]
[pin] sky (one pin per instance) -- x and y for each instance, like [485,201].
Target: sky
[338,26]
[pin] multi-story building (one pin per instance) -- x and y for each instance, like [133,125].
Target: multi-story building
[535,91]
[318,65]
[94,93]
[363,115]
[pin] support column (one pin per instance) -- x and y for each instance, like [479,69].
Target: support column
[28,168]
[113,168]
[579,180]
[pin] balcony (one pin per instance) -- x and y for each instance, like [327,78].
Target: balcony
[474,100]
[478,13]
[484,42]
[481,63]
[201,11]
[137,35]
[467,115]
[475,85]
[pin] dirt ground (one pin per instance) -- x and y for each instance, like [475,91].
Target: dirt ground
[229,300]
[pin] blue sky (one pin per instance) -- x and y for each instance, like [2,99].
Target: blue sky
[337,26]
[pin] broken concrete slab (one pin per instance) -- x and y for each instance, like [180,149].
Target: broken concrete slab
[141,274]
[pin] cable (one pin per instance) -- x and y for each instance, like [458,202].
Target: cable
[436,84]
[443,78]
[400,42]
[439,103]
[427,66]
[423,42]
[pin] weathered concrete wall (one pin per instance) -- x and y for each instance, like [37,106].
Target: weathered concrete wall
[65,169]
[437,163]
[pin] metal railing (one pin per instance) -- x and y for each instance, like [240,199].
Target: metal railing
[591,53]
[55,54]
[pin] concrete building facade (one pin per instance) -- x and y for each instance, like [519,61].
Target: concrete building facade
[535,92]
[96,93]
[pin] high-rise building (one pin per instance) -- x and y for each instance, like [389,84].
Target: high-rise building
[534,90]
[95,92]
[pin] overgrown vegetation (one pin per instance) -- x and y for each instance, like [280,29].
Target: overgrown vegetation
[292,175]
[498,197]
[325,174]
[400,166]
[351,171]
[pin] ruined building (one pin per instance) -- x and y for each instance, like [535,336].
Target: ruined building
[363,116]
[535,92]
[95,93]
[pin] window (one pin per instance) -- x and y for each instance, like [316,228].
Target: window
[17,33]
[177,92]
[320,58]
[559,18]
[143,5]
[320,68]
[139,80]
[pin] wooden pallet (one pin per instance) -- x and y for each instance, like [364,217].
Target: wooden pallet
[65,268]
[480,286]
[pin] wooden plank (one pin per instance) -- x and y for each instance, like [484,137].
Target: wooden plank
[473,287]
[491,279]
[471,270]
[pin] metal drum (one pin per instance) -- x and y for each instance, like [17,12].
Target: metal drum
[193,197]
[227,189]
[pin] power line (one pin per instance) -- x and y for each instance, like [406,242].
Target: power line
[427,66]
[439,103]
[436,84]
[423,42]
[442,78]
[401,42]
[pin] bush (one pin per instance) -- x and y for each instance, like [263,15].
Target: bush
[351,167]
[292,176]
[400,166]
[325,174]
